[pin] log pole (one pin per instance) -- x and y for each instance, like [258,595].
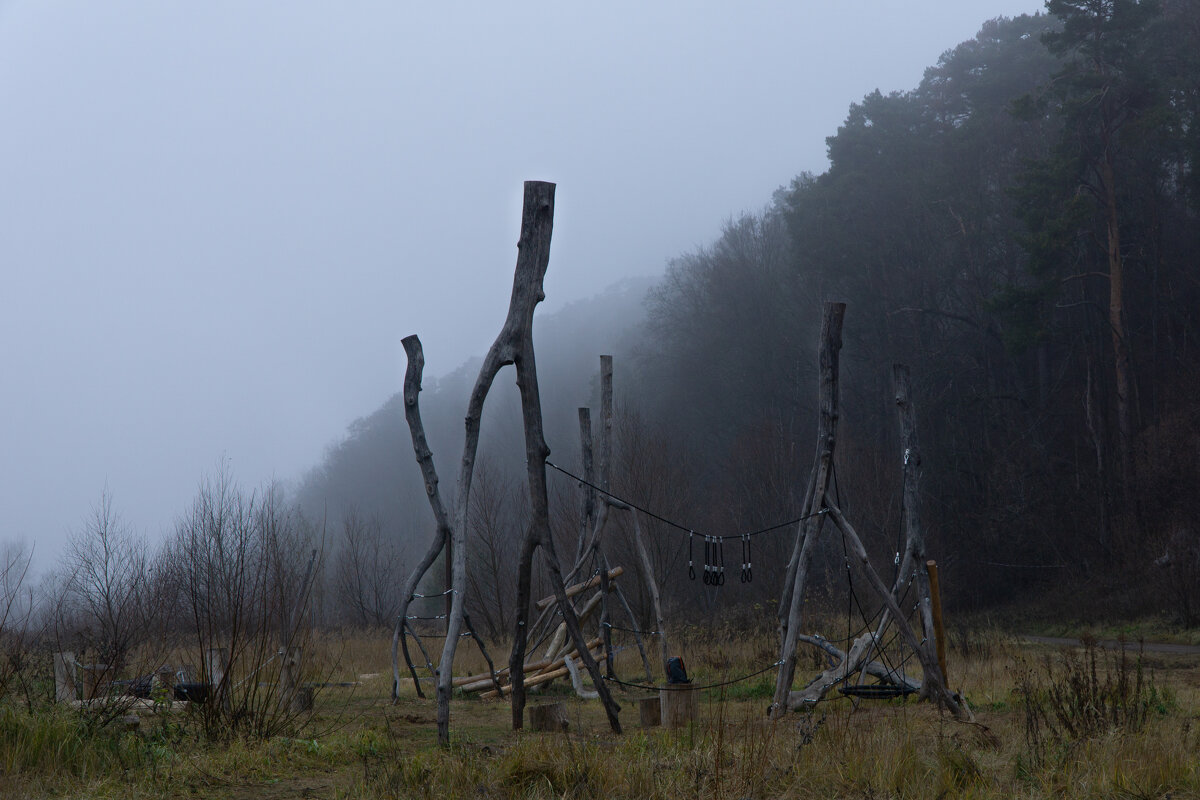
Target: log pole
[810,528]
[935,599]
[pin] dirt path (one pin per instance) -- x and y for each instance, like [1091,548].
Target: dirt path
[1113,644]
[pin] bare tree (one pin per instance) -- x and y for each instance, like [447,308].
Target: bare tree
[107,573]
[497,512]
[16,610]
[244,570]
[366,569]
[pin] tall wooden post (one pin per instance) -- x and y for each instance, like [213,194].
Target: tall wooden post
[935,599]
[606,422]
[534,245]
[810,528]
[216,665]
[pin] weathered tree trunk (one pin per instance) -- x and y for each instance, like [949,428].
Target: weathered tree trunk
[416,428]
[588,507]
[513,345]
[837,673]
[810,529]
[933,686]
[606,422]
[536,225]
[912,563]
[606,621]
[913,555]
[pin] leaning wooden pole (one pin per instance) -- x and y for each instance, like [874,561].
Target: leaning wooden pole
[914,535]
[536,224]
[932,685]
[416,429]
[639,540]
[810,528]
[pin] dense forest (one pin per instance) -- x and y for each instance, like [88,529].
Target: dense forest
[1021,229]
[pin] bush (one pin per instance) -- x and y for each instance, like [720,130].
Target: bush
[1085,694]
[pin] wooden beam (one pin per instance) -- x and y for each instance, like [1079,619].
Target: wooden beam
[613,574]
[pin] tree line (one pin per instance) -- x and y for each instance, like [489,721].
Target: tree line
[1020,229]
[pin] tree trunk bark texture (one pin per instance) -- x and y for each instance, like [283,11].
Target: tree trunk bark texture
[810,528]
[513,345]
[516,340]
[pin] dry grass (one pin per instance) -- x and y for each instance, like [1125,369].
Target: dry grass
[360,747]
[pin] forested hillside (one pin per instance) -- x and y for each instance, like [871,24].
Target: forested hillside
[1021,229]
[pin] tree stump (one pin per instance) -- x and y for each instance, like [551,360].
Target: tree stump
[548,717]
[302,700]
[679,706]
[649,711]
[95,678]
[65,678]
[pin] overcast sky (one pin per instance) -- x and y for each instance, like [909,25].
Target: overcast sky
[218,219]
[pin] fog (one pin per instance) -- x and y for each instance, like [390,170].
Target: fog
[217,220]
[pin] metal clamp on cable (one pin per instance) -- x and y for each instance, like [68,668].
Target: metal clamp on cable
[708,578]
[747,575]
[720,545]
[691,569]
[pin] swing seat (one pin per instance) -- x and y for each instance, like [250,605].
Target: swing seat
[875,691]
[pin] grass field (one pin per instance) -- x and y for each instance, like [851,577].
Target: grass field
[1050,723]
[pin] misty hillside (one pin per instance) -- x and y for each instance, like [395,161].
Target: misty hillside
[1022,229]
[372,471]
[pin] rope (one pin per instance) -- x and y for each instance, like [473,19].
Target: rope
[679,687]
[709,538]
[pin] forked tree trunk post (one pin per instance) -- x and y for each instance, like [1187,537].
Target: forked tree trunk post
[416,428]
[810,528]
[536,224]
[914,535]
[513,345]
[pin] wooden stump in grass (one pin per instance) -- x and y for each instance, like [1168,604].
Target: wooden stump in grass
[649,711]
[302,700]
[65,678]
[548,717]
[95,678]
[679,706]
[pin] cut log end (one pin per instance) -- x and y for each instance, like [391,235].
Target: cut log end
[549,717]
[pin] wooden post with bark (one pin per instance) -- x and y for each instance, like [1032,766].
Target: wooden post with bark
[810,528]
[513,345]
[817,506]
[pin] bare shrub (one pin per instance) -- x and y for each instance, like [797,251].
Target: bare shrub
[1083,695]
[107,621]
[16,613]
[243,564]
